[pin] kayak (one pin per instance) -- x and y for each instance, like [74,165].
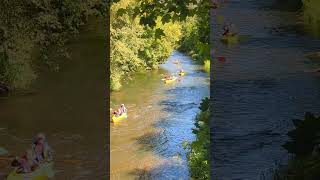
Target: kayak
[167,81]
[182,73]
[119,118]
[44,172]
[230,39]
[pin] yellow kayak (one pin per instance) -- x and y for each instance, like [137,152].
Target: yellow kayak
[119,118]
[167,81]
[44,172]
[182,73]
[230,39]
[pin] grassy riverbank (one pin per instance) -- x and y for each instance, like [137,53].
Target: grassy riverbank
[199,150]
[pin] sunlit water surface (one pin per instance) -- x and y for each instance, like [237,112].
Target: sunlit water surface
[148,145]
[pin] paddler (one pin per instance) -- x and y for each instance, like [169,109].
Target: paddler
[41,149]
[226,29]
[26,163]
[229,30]
[167,77]
[123,109]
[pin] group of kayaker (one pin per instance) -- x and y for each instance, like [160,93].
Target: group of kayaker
[120,111]
[170,77]
[39,152]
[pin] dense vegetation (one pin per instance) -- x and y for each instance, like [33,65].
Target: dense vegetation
[304,144]
[195,38]
[143,34]
[311,14]
[35,29]
[199,150]
[136,47]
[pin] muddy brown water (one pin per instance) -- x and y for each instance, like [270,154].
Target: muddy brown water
[68,106]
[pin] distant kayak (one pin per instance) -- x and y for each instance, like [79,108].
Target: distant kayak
[230,38]
[44,172]
[167,81]
[182,73]
[119,118]
[176,62]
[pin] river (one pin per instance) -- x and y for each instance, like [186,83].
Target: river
[148,145]
[68,106]
[264,83]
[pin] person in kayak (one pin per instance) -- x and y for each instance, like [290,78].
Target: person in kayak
[120,111]
[168,77]
[226,30]
[229,30]
[41,149]
[123,109]
[26,163]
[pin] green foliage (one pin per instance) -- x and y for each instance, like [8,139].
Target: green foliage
[195,36]
[135,46]
[169,10]
[307,168]
[304,138]
[198,156]
[305,135]
[37,27]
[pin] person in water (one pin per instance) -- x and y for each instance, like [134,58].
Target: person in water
[41,149]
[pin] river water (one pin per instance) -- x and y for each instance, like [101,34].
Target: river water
[148,145]
[265,82]
[68,106]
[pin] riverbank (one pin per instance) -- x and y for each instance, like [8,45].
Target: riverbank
[199,149]
[161,116]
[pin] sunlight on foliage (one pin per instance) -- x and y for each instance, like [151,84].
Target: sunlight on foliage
[199,150]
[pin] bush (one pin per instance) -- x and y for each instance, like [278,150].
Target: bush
[198,156]
[305,135]
[136,47]
[29,27]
